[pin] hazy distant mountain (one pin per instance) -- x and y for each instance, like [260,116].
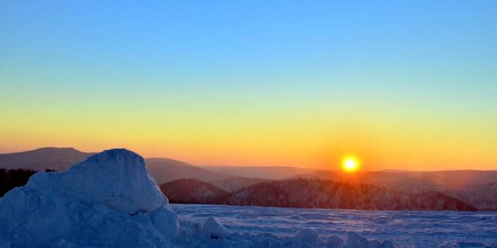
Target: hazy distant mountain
[305,193]
[166,170]
[44,158]
[236,183]
[478,188]
[263,172]
[404,180]
[162,169]
[192,191]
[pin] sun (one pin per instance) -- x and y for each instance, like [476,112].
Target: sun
[350,164]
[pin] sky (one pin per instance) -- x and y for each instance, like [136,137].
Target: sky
[408,85]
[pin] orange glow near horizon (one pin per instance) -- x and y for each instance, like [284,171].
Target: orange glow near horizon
[310,140]
[350,164]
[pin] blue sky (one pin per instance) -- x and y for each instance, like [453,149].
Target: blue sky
[231,42]
[245,60]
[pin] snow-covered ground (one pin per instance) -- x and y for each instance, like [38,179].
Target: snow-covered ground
[404,228]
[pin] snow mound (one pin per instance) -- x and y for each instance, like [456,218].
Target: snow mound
[116,178]
[109,199]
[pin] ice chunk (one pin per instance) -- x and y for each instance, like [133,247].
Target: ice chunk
[212,229]
[116,178]
[166,221]
[109,200]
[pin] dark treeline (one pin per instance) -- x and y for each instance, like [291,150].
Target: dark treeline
[10,179]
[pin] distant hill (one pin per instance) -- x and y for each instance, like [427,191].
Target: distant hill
[311,193]
[237,183]
[42,159]
[477,188]
[262,172]
[167,170]
[192,191]
[58,159]
[482,196]
[418,180]
[305,193]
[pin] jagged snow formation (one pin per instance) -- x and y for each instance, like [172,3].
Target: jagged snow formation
[116,178]
[110,200]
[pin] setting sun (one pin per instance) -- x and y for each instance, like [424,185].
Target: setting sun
[350,164]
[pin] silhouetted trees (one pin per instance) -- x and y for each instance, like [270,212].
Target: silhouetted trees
[10,179]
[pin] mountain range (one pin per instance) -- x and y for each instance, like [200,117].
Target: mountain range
[165,170]
[261,172]
[48,158]
[310,193]
[420,179]
[476,188]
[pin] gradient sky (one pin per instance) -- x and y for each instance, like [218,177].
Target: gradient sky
[401,84]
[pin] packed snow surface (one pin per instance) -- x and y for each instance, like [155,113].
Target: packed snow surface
[405,228]
[110,200]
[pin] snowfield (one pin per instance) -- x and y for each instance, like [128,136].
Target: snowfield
[404,228]
[110,200]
